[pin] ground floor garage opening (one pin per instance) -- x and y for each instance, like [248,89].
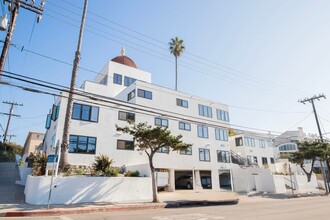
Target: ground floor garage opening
[225,179]
[183,179]
[206,179]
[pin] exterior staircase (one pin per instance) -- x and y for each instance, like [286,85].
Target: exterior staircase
[9,191]
[237,159]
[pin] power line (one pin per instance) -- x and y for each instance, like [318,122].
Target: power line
[152,110]
[227,69]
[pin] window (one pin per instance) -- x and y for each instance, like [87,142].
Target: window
[288,147]
[264,161]
[182,103]
[205,111]
[82,144]
[161,122]
[272,160]
[202,131]
[187,152]
[48,121]
[164,149]
[221,134]
[222,115]
[131,95]
[223,156]
[85,112]
[125,116]
[184,126]
[251,160]
[55,112]
[239,141]
[249,141]
[144,94]
[262,143]
[104,81]
[117,79]
[128,80]
[125,145]
[204,154]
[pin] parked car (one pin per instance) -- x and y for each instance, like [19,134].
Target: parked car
[184,181]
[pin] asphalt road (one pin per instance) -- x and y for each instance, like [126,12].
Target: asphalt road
[247,209]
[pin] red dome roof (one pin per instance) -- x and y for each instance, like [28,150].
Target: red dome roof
[124,60]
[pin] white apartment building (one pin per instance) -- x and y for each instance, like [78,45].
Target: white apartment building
[121,92]
[254,149]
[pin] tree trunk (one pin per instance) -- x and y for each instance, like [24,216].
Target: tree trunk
[153,179]
[64,157]
[176,73]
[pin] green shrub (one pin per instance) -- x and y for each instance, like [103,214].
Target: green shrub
[112,172]
[102,163]
[39,164]
[8,151]
[133,174]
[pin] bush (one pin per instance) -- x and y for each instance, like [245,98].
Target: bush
[39,164]
[111,172]
[8,151]
[102,163]
[133,174]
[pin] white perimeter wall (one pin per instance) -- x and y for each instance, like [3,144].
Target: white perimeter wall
[81,189]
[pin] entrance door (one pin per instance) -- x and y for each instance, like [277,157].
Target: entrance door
[225,181]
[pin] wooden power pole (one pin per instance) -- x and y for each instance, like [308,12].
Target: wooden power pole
[9,114]
[14,7]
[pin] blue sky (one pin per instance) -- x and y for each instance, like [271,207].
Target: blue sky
[259,57]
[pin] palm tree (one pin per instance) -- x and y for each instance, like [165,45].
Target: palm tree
[176,48]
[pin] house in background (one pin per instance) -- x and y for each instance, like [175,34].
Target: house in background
[33,143]
[255,149]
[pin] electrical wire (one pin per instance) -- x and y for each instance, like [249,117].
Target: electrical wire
[151,110]
[227,69]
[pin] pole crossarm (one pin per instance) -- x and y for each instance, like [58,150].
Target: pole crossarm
[3,113]
[312,98]
[29,6]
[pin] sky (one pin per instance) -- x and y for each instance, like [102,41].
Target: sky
[259,56]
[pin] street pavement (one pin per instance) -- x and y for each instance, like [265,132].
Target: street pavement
[256,207]
[167,200]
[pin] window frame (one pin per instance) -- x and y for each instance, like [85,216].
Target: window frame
[205,111]
[131,95]
[128,81]
[126,118]
[188,152]
[163,150]
[117,79]
[221,134]
[204,129]
[144,94]
[82,117]
[222,115]
[226,156]
[184,124]
[80,143]
[161,122]
[126,142]
[203,151]
[180,102]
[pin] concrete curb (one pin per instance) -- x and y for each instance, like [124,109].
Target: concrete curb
[60,211]
[114,208]
[180,203]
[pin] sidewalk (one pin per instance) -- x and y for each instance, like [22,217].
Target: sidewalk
[167,200]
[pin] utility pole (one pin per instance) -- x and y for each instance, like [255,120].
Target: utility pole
[10,114]
[14,7]
[65,136]
[311,100]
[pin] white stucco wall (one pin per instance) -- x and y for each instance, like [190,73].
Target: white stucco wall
[304,186]
[279,184]
[81,189]
[264,181]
